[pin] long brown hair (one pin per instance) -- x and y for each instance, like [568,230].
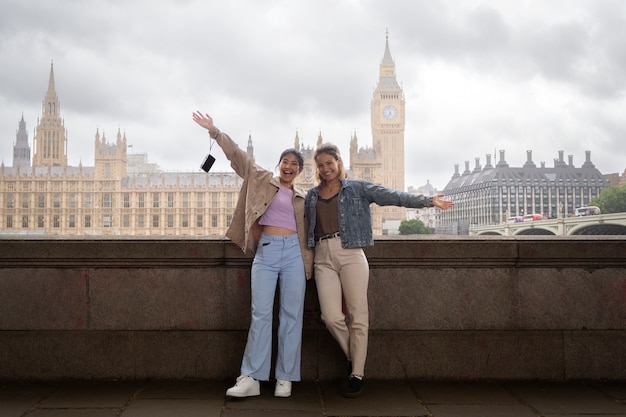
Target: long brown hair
[333,151]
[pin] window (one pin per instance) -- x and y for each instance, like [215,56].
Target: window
[25,221]
[41,200]
[40,221]
[72,220]
[200,200]
[185,200]
[126,200]
[170,200]
[107,220]
[142,200]
[170,220]
[229,200]
[199,220]
[10,202]
[57,200]
[155,220]
[107,200]
[56,223]
[229,219]
[214,220]
[155,200]
[214,200]
[72,200]
[185,220]
[9,222]
[25,201]
[87,202]
[140,221]
[126,220]
[87,220]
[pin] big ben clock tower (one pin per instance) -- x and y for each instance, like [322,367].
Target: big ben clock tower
[388,120]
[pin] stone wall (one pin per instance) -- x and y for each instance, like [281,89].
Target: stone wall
[441,308]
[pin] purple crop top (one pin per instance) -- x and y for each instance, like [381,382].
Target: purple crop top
[280,212]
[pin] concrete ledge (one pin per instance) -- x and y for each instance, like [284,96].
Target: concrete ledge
[440,308]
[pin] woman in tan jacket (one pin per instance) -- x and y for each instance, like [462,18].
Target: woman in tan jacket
[269,222]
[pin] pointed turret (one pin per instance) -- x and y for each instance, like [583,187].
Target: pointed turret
[387,66]
[21,149]
[250,149]
[296,141]
[50,143]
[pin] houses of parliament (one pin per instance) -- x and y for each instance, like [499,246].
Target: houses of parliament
[124,195]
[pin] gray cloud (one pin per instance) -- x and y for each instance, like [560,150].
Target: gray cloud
[478,76]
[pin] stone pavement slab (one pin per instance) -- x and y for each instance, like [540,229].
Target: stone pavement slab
[304,402]
[168,407]
[567,399]
[379,398]
[314,399]
[469,399]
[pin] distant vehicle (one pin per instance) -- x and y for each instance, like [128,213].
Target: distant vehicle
[586,211]
[514,219]
[532,217]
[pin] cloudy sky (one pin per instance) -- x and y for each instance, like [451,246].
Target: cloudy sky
[478,76]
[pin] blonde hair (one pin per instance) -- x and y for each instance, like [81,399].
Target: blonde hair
[333,151]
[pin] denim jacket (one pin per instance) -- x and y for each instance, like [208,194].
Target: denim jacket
[355,217]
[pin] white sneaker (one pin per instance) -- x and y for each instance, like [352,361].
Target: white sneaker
[246,386]
[283,388]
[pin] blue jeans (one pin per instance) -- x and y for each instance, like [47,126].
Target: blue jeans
[278,260]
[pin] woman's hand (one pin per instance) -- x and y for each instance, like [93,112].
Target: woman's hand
[204,120]
[442,204]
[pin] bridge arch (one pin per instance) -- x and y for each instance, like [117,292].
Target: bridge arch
[598,229]
[534,231]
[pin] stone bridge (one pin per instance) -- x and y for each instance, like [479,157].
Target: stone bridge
[603,224]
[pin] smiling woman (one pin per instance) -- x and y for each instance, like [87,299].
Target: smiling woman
[269,222]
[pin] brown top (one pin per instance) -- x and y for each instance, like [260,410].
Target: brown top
[327,216]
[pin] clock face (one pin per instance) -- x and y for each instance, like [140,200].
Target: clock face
[390,112]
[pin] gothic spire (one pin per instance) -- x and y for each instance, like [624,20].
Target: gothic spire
[387,59]
[51,88]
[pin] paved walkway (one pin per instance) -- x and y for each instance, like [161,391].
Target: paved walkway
[380,398]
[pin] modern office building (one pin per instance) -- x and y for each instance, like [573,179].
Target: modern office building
[492,194]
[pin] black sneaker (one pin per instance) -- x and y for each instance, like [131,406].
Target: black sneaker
[354,387]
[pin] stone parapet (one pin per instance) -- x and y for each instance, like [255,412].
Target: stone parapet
[478,308]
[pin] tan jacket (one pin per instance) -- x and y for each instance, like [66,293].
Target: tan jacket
[257,191]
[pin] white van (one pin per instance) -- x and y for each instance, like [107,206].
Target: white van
[586,211]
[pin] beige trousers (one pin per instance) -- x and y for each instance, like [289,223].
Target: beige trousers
[343,275]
